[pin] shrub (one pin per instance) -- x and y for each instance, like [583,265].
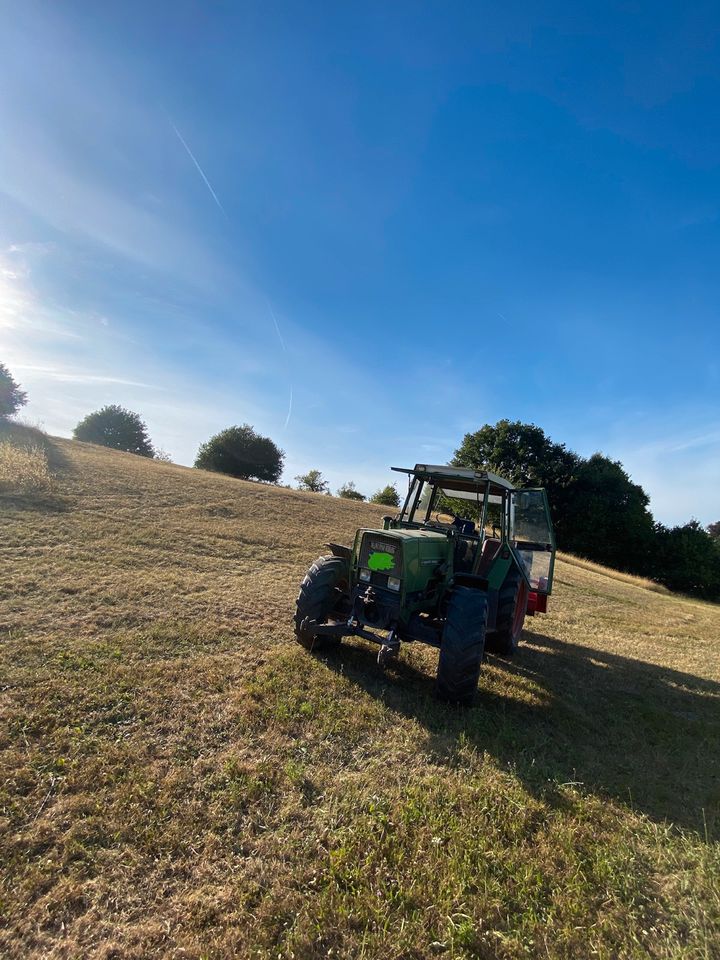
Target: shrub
[243,453]
[313,481]
[117,428]
[387,496]
[11,396]
[348,492]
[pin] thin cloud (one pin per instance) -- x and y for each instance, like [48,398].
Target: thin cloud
[70,376]
[676,444]
[199,168]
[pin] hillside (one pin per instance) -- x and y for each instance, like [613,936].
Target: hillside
[180,779]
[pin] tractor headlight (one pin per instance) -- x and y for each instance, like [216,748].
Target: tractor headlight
[393,583]
[365,575]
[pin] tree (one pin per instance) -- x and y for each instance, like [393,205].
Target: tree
[598,512]
[606,516]
[114,426]
[688,559]
[388,496]
[523,454]
[313,481]
[162,456]
[243,453]
[11,396]
[348,492]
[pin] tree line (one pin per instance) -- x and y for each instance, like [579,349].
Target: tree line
[598,512]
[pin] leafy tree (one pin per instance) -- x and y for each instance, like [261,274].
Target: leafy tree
[598,512]
[348,492]
[243,453]
[162,456]
[606,516]
[688,559]
[523,454]
[387,496]
[11,396]
[313,481]
[114,426]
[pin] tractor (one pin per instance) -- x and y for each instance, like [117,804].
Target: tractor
[459,567]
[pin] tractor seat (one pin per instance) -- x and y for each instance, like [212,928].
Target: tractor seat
[489,551]
[465,548]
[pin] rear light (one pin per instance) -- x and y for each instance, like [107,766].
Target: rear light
[536,603]
[393,583]
[365,575]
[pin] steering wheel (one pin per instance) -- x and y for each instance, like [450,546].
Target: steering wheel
[438,524]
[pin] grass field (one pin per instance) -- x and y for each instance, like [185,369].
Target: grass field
[179,779]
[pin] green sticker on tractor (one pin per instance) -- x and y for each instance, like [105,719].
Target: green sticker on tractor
[381,561]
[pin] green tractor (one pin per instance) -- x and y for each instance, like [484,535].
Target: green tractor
[459,567]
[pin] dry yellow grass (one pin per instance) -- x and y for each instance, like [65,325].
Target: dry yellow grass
[614,574]
[23,468]
[179,779]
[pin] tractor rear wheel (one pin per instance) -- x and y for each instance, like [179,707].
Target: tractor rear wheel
[512,606]
[462,645]
[323,592]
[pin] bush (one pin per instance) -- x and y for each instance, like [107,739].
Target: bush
[348,492]
[313,481]
[241,452]
[117,428]
[388,496]
[11,396]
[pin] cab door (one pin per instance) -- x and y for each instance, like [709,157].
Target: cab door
[532,539]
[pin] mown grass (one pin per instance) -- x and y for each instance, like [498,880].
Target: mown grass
[180,779]
[614,574]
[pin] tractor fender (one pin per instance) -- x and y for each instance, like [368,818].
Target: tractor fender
[338,550]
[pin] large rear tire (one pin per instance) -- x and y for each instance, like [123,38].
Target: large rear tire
[512,607]
[323,592]
[462,645]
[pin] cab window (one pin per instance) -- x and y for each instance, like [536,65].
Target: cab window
[532,538]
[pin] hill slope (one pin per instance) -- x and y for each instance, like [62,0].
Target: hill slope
[180,779]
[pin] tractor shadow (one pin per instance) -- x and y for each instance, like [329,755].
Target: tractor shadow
[561,713]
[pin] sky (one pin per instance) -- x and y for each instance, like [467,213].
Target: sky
[369,228]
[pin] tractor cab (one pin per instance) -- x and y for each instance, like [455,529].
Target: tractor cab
[486,516]
[459,567]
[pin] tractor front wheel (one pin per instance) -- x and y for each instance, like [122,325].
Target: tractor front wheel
[462,645]
[323,593]
[512,606]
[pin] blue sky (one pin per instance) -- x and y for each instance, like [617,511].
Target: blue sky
[369,228]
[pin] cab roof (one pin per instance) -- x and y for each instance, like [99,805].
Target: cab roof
[460,478]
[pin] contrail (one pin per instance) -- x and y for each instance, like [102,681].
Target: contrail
[199,168]
[282,344]
[289,413]
[277,328]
